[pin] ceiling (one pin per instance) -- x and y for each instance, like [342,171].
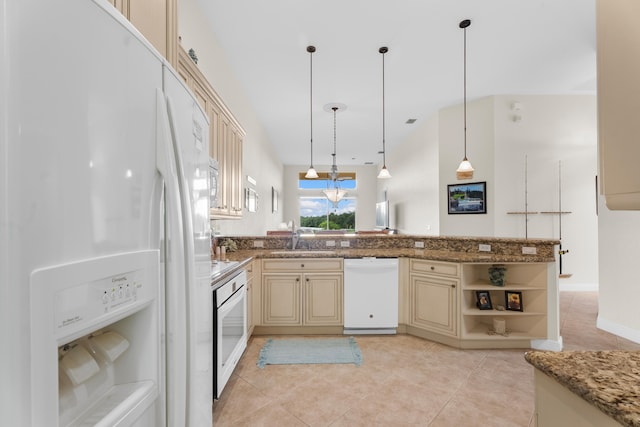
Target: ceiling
[518,47]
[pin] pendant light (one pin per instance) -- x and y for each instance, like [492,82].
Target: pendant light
[465,170]
[334,194]
[311,173]
[384,172]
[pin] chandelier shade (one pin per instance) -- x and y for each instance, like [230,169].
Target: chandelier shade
[334,194]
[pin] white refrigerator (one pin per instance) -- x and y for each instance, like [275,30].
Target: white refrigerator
[105,301]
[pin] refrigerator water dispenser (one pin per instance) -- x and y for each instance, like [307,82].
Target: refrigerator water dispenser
[96,351]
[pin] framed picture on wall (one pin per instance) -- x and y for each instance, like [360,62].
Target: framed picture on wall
[470,198]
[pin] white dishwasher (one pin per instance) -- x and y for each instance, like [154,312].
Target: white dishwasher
[370,295]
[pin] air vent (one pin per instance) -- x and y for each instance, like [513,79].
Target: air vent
[410,121]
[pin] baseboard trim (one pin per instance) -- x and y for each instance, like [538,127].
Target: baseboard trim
[578,287]
[369,331]
[548,345]
[618,329]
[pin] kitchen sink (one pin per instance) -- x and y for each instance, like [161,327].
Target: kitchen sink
[302,252]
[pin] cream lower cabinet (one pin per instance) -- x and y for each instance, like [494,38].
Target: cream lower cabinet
[302,292]
[557,406]
[433,296]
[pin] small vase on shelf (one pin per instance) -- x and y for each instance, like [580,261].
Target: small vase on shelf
[497,274]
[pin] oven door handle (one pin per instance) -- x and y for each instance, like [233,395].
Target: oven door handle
[229,304]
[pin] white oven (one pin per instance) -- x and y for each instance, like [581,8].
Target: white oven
[230,328]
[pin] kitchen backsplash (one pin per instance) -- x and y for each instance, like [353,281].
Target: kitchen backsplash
[490,245]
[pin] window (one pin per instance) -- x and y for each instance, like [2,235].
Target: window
[317,212]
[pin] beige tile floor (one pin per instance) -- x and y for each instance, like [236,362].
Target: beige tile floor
[404,381]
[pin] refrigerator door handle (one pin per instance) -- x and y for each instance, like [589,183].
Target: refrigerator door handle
[189,258]
[176,322]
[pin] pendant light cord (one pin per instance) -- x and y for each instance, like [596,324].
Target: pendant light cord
[334,169]
[311,49]
[384,149]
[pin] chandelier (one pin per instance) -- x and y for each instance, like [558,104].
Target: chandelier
[334,194]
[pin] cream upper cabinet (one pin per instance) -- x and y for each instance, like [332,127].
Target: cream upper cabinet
[156,20]
[298,292]
[226,139]
[433,296]
[618,63]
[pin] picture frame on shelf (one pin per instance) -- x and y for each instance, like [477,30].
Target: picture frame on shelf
[483,300]
[513,300]
[470,198]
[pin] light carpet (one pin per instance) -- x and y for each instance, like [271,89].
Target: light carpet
[310,351]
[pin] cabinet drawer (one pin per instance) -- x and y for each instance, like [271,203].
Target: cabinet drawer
[302,264]
[249,270]
[435,267]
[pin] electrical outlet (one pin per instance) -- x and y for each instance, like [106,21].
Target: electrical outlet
[418,244]
[331,243]
[344,243]
[484,248]
[258,244]
[529,250]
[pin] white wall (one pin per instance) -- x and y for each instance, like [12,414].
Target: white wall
[555,132]
[551,129]
[413,190]
[259,158]
[619,248]
[480,149]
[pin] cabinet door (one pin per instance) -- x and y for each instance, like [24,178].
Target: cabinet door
[433,303]
[250,297]
[150,17]
[618,62]
[322,299]
[234,159]
[281,299]
[223,157]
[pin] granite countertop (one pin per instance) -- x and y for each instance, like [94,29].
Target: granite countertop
[609,380]
[435,255]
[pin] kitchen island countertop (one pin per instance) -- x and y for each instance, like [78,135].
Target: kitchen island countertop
[608,380]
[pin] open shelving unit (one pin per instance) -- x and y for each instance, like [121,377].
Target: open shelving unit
[522,326]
